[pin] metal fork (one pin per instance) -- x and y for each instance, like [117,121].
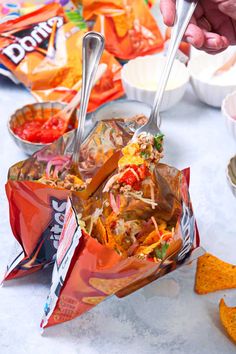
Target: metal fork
[184,12]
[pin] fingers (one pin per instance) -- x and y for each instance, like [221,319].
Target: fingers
[215,42]
[194,35]
[201,38]
[167,8]
[199,30]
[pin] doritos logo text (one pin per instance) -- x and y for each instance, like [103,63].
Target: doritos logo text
[29,42]
[43,49]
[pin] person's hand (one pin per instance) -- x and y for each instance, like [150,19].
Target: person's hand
[213,26]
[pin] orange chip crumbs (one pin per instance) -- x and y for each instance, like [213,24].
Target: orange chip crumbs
[228,319]
[213,275]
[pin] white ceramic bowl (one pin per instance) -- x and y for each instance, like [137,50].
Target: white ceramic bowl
[140,77]
[229,111]
[231,174]
[209,93]
[121,109]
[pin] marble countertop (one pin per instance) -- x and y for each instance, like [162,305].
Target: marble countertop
[165,317]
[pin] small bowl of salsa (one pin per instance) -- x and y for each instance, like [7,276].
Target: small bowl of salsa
[26,125]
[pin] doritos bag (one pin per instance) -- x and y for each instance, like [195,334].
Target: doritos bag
[44,50]
[128,26]
[37,204]
[86,271]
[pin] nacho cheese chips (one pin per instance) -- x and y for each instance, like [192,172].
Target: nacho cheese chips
[228,319]
[213,274]
[44,51]
[129,28]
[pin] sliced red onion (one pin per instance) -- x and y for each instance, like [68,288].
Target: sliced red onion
[132,248]
[113,204]
[118,201]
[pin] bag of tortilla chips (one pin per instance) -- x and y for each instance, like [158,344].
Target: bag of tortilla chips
[89,267]
[44,50]
[128,26]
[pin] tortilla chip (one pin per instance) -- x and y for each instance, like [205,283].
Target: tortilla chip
[121,24]
[228,319]
[213,274]
[153,237]
[101,231]
[146,250]
[111,286]
[93,300]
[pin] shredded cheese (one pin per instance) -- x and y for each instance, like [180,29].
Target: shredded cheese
[110,182]
[156,226]
[135,173]
[131,170]
[145,200]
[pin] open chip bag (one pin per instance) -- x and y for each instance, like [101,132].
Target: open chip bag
[136,227]
[37,190]
[128,26]
[44,51]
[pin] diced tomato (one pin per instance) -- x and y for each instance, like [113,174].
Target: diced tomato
[143,171]
[167,237]
[134,167]
[137,186]
[113,224]
[32,130]
[128,178]
[48,136]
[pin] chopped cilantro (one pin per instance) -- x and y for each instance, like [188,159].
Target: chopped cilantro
[158,140]
[144,154]
[160,253]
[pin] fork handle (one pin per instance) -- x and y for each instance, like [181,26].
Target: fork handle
[76,99]
[92,49]
[184,12]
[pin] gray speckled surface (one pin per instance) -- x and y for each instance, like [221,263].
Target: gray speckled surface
[165,317]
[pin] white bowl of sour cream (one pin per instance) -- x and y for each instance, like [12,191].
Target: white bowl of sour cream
[140,78]
[229,112]
[210,88]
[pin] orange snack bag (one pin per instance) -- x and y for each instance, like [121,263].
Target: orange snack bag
[44,50]
[87,271]
[37,205]
[128,26]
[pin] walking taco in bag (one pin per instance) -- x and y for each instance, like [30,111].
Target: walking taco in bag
[138,226]
[37,190]
[44,50]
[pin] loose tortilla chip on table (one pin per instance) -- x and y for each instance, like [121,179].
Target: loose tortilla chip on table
[228,319]
[213,275]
